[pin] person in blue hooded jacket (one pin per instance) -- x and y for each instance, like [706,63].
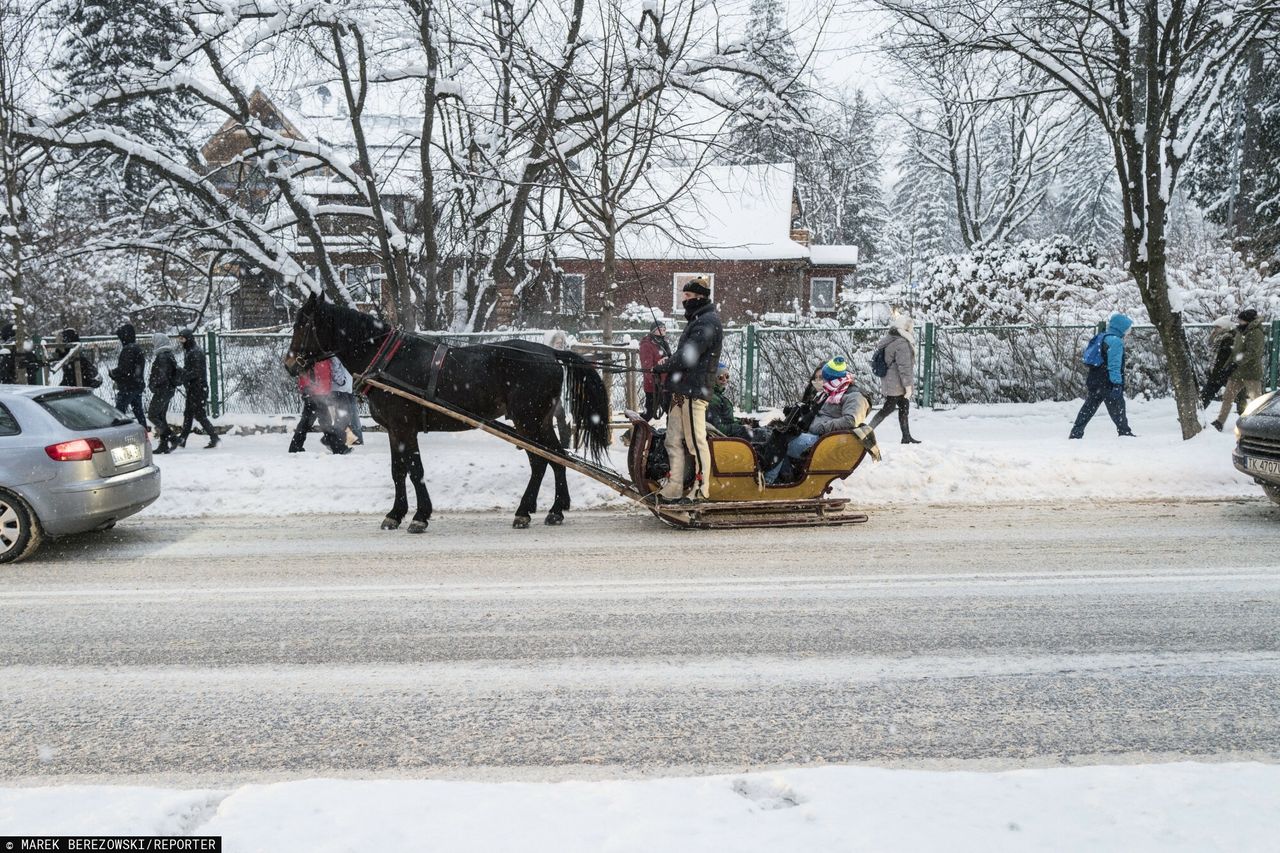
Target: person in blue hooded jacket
[1105,383]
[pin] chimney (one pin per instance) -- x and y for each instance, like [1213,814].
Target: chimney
[802,236]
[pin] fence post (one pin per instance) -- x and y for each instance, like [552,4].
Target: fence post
[37,355]
[926,386]
[215,374]
[1273,379]
[749,380]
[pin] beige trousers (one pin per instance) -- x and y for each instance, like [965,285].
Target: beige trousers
[687,434]
[1252,389]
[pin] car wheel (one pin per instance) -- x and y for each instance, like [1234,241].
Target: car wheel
[1273,492]
[20,532]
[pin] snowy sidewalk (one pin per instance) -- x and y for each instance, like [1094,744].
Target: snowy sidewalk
[1165,807]
[972,454]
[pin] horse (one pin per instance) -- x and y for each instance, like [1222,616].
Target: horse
[519,379]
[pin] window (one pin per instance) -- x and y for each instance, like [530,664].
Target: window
[364,283]
[680,279]
[572,294]
[80,410]
[822,295]
[8,423]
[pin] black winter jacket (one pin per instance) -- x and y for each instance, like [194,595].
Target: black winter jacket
[193,372]
[165,375]
[691,369]
[130,370]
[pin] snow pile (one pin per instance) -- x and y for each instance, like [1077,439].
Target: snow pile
[1171,807]
[971,454]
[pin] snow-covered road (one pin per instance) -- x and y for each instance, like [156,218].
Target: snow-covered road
[233,649]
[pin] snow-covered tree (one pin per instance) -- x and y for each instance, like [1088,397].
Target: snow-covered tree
[840,181]
[923,223]
[991,128]
[1088,206]
[1032,281]
[1235,173]
[1152,72]
[771,121]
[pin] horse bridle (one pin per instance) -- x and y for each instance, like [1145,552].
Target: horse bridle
[312,342]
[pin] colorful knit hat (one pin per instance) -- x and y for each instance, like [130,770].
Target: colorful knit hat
[836,368]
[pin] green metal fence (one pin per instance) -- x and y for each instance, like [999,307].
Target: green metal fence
[769,365]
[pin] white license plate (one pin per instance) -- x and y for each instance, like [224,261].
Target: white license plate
[1263,466]
[125,455]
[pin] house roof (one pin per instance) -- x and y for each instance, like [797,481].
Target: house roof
[315,113]
[740,212]
[834,256]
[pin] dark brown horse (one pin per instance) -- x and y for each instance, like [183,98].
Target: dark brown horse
[516,379]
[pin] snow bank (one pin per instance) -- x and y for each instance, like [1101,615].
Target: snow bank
[1170,807]
[972,454]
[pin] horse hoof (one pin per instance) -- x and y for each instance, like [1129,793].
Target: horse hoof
[390,523]
[416,526]
[555,518]
[521,522]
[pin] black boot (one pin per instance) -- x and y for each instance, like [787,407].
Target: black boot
[904,424]
[164,446]
[213,441]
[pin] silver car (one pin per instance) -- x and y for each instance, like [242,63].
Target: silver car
[69,463]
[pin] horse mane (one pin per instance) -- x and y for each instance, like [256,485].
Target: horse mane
[349,323]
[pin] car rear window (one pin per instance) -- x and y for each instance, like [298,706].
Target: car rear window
[8,423]
[79,410]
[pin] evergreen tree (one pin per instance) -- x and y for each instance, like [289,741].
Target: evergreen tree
[109,43]
[1235,173]
[924,221]
[839,178]
[770,127]
[1088,207]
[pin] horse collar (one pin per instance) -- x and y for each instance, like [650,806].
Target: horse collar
[437,361]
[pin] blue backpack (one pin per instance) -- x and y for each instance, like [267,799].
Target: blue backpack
[1093,354]
[879,364]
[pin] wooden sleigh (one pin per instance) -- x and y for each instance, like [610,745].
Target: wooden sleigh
[737,493]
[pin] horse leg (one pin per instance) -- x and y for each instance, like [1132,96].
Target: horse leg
[561,503]
[423,513]
[529,503]
[399,467]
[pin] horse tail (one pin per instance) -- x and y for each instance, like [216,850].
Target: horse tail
[588,402]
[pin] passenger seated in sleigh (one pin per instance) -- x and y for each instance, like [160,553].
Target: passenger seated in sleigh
[830,404]
[720,412]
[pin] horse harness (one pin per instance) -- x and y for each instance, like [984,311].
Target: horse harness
[391,344]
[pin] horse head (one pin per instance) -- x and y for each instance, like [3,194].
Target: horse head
[305,347]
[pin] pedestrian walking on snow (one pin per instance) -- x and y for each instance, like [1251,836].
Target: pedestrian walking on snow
[690,374]
[1247,349]
[346,408]
[654,348]
[1105,382]
[896,351]
[129,374]
[1221,341]
[316,387]
[164,380]
[195,382]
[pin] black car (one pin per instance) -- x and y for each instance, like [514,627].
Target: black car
[1258,443]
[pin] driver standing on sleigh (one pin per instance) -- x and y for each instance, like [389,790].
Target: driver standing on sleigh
[690,375]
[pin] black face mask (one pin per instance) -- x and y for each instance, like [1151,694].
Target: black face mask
[692,305]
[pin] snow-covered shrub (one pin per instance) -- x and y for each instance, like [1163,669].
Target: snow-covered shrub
[1035,281]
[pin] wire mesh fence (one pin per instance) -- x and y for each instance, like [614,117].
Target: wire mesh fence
[768,366]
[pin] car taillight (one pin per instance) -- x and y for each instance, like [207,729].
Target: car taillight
[76,450]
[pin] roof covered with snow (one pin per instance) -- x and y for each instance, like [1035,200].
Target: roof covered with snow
[834,256]
[724,213]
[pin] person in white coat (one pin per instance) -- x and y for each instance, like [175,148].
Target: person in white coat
[346,408]
[897,385]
